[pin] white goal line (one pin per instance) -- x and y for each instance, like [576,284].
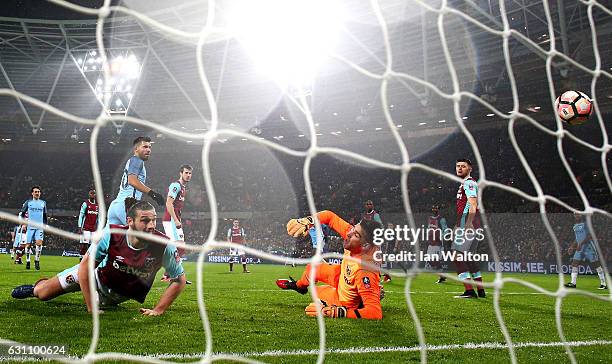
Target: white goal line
[390,349]
[354,350]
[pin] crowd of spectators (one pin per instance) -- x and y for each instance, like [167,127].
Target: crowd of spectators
[270,188]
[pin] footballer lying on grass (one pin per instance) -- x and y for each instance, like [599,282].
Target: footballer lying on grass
[351,289]
[126,267]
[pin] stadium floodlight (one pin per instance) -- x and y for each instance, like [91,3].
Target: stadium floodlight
[287,39]
[124,71]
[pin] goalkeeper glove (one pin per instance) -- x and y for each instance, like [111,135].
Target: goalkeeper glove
[332,311]
[157,197]
[299,227]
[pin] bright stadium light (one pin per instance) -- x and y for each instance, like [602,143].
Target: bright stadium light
[124,69]
[287,39]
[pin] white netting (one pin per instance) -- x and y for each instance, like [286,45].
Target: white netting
[388,75]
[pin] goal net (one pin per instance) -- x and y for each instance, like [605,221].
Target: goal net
[326,104]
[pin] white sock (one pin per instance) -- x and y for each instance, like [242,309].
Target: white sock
[602,276]
[27,253]
[574,274]
[38,251]
[12,253]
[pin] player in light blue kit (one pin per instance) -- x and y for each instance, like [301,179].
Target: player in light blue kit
[583,249]
[133,182]
[37,212]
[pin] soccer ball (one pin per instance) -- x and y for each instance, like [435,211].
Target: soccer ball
[574,107]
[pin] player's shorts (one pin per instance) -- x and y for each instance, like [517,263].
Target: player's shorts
[461,242]
[106,297]
[237,252]
[172,232]
[69,279]
[18,239]
[33,235]
[434,250]
[86,238]
[588,253]
[116,213]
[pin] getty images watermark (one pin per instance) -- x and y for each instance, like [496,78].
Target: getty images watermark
[464,244]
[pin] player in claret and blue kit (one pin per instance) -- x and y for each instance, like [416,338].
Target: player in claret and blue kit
[88,221]
[19,235]
[126,266]
[175,201]
[468,219]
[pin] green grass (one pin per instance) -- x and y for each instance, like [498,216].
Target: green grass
[249,314]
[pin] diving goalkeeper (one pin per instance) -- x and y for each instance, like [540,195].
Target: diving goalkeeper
[351,289]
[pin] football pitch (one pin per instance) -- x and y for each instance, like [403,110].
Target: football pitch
[251,317]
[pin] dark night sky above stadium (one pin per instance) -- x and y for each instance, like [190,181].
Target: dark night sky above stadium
[41,9]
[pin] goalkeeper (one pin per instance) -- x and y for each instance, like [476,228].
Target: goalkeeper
[351,289]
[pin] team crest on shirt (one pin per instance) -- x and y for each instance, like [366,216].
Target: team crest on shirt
[149,262]
[366,282]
